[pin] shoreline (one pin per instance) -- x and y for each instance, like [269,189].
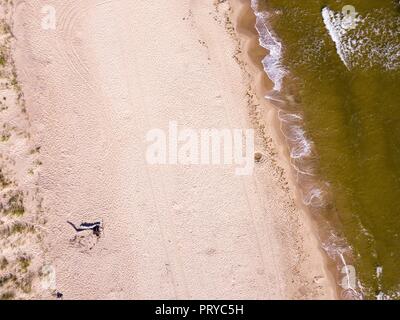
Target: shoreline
[169,232]
[248,38]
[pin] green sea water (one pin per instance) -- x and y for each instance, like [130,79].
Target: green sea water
[343,83]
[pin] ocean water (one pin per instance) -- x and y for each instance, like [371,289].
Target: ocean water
[336,75]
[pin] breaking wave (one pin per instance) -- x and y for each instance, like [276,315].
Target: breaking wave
[272,62]
[367,42]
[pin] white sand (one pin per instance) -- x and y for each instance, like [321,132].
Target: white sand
[111,71]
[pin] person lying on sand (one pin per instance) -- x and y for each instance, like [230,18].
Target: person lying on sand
[96,227]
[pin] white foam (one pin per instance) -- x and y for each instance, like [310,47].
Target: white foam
[272,62]
[335,32]
[289,117]
[369,44]
[301,147]
[314,198]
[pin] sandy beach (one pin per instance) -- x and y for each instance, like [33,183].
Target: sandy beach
[110,72]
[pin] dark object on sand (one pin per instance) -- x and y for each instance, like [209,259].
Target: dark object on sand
[96,230]
[95,227]
[59,295]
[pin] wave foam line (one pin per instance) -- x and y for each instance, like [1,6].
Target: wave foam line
[329,21]
[272,62]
